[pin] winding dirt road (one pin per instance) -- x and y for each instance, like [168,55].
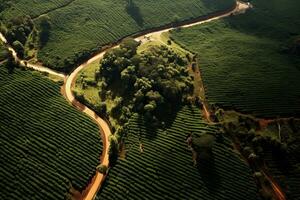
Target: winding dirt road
[103,126]
[24,63]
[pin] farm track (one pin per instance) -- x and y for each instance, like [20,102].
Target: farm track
[70,80]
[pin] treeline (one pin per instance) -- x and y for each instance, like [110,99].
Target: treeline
[23,34]
[152,83]
[4,4]
[273,149]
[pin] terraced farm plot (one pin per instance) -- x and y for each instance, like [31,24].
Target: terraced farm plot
[85,25]
[245,60]
[165,169]
[46,145]
[25,7]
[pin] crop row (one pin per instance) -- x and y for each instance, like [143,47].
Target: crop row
[242,61]
[85,25]
[165,169]
[46,145]
[19,8]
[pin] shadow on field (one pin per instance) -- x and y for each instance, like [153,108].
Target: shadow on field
[209,175]
[134,11]
[165,119]
[150,131]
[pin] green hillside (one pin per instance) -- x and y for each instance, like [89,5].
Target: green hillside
[46,146]
[83,26]
[250,62]
[165,170]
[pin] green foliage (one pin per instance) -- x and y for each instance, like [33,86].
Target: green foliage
[93,24]
[19,48]
[102,169]
[164,170]
[46,144]
[4,4]
[11,63]
[203,145]
[18,29]
[45,27]
[101,109]
[3,52]
[113,149]
[149,83]
[242,62]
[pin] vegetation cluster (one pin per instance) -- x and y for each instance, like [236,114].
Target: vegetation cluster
[153,82]
[271,148]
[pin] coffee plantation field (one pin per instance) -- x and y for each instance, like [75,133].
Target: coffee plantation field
[46,145]
[83,26]
[165,170]
[247,61]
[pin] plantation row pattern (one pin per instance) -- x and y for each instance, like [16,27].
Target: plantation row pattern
[84,26]
[46,145]
[248,62]
[165,169]
[24,7]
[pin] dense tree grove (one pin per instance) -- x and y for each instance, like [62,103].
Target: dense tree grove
[17,31]
[22,34]
[149,83]
[19,28]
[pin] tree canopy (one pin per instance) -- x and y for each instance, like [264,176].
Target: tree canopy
[149,83]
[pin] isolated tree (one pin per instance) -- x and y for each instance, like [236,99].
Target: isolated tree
[130,45]
[19,28]
[203,146]
[19,48]
[11,62]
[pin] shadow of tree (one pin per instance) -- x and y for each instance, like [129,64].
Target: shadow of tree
[134,11]
[209,174]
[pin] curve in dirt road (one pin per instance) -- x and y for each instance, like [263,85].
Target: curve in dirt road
[239,8]
[70,80]
[24,63]
[104,127]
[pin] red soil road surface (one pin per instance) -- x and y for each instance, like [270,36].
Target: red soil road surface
[104,128]
[276,188]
